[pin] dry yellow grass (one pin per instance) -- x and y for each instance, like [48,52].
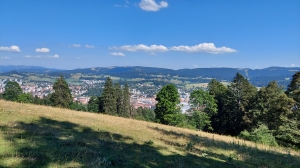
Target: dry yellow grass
[167,141]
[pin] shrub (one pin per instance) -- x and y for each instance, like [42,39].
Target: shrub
[260,135]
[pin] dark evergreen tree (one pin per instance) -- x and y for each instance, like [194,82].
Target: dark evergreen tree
[93,104]
[61,97]
[240,100]
[293,89]
[219,92]
[166,107]
[12,91]
[119,98]
[125,112]
[109,98]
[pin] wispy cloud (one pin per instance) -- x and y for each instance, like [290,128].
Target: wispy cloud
[38,56]
[117,54]
[151,5]
[142,47]
[89,46]
[76,45]
[203,47]
[12,48]
[43,50]
[54,56]
[3,58]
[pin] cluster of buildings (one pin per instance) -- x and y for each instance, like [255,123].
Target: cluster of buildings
[141,96]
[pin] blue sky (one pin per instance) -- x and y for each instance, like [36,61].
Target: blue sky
[174,34]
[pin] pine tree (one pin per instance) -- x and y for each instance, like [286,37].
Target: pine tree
[109,98]
[125,112]
[293,90]
[119,98]
[61,97]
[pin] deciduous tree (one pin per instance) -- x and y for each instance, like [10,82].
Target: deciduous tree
[168,99]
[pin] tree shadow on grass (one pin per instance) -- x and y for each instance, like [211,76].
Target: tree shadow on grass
[240,155]
[50,143]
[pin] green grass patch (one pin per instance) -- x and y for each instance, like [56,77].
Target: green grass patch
[38,136]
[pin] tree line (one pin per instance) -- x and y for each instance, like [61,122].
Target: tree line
[268,115]
[114,100]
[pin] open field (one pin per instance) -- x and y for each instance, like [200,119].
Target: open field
[39,136]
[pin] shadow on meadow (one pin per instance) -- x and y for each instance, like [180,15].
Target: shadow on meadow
[235,153]
[51,143]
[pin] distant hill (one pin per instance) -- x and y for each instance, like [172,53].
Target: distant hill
[24,68]
[258,77]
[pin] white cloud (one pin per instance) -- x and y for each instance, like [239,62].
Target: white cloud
[38,56]
[142,47]
[151,5]
[54,56]
[293,65]
[89,46]
[12,48]
[152,53]
[76,45]
[203,47]
[44,50]
[117,54]
[2,58]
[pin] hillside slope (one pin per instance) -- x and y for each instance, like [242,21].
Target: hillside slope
[39,136]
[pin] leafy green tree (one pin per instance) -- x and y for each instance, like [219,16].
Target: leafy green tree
[12,91]
[93,104]
[25,98]
[61,97]
[168,99]
[205,107]
[275,110]
[78,106]
[144,114]
[260,135]
[203,101]
[263,111]
[109,98]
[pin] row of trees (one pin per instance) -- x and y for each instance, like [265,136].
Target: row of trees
[238,110]
[114,99]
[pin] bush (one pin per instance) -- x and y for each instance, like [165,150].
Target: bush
[260,135]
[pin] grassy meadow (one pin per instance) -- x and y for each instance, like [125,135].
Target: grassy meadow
[39,136]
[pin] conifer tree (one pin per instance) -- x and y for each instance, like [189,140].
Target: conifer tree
[125,112]
[109,98]
[119,98]
[293,90]
[61,97]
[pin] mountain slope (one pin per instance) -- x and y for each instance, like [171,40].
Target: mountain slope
[39,136]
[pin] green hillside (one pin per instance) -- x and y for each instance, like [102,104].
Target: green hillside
[39,136]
